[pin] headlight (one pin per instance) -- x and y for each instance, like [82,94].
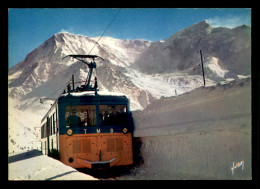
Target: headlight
[69,132]
[71,160]
[125,130]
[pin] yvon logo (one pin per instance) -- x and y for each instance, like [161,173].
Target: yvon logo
[237,165]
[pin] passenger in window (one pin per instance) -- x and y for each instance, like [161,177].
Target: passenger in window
[102,117]
[112,117]
[73,119]
[121,117]
[105,118]
[86,121]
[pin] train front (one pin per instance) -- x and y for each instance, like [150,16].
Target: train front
[95,131]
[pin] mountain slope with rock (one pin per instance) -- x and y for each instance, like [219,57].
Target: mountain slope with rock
[44,68]
[225,49]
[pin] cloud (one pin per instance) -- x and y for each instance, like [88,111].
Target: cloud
[68,30]
[63,31]
[229,21]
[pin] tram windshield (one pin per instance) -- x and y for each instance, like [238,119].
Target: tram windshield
[112,115]
[84,115]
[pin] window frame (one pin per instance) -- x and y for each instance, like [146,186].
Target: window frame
[84,119]
[110,122]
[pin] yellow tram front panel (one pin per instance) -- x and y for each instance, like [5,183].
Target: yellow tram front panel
[81,150]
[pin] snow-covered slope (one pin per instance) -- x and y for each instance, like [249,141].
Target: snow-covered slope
[125,51]
[23,127]
[201,109]
[198,135]
[168,84]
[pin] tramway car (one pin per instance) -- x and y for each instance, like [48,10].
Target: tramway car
[89,129]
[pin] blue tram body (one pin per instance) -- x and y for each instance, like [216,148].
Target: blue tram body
[97,101]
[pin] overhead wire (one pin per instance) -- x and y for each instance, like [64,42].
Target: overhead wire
[105,30]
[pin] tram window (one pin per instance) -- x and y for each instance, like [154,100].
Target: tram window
[50,125]
[112,115]
[42,131]
[54,125]
[45,130]
[84,115]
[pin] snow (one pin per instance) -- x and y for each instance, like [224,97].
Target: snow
[243,76]
[124,56]
[196,135]
[214,66]
[14,76]
[213,103]
[164,85]
[92,93]
[22,129]
[32,165]
[111,93]
[227,80]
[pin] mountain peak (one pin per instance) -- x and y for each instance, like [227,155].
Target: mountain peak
[198,29]
[68,34]
[63,34]
[203,25]
[243,27]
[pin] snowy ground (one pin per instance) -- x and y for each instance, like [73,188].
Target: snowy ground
[32,165]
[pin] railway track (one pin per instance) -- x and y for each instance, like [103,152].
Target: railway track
[111,173]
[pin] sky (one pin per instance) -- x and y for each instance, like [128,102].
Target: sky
[30,27]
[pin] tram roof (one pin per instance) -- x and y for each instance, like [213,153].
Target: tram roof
[91,93]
